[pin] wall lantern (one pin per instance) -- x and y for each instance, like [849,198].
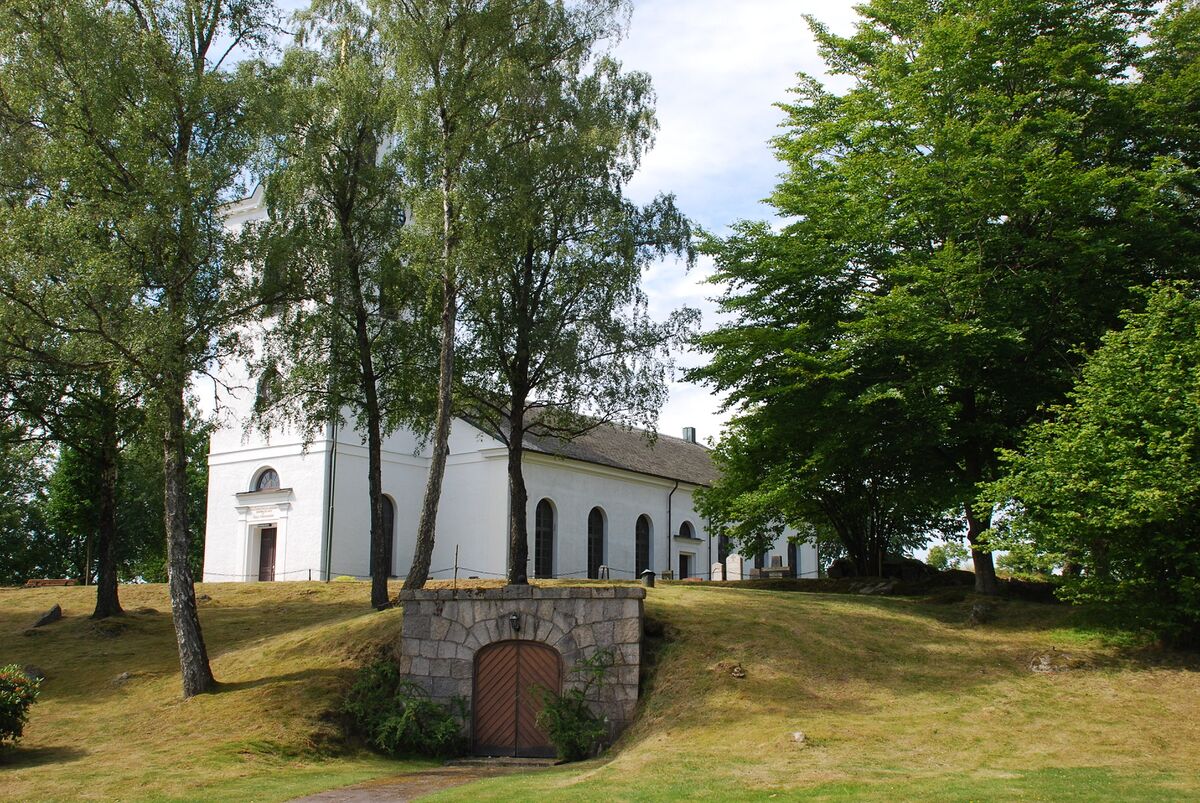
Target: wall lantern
[514,619]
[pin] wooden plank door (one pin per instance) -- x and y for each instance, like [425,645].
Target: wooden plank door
[266,555]
[538,668]
[495,699]
[506,700]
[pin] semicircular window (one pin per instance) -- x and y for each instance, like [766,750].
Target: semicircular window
[268,480]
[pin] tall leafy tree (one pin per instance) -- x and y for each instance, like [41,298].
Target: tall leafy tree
[467,64]
[975,199]
[557,339]
[59,377]
[145,134]
[353,340]
[62,382]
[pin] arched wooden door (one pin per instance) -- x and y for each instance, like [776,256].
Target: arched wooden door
[505,702]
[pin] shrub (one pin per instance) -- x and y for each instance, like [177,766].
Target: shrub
[1108,488]
[17,693]
[567,719]
[396,716]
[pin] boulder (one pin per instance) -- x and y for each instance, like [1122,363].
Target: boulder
[982,612]
[52,615]
[1053,662]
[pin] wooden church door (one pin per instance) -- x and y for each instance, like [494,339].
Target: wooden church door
[266,555]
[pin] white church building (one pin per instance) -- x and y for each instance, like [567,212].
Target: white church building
[611,503]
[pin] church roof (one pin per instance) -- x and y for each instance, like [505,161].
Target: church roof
[632,450]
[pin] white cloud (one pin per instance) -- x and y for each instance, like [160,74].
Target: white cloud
[718,69]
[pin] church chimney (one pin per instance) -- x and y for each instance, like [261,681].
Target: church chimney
[689,434]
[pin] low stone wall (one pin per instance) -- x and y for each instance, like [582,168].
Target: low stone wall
[444,628]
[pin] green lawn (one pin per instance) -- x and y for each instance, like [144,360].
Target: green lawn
[898,699]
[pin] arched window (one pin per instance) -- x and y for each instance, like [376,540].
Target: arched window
[389,535]
[686,531]
[641,545]
[595,542]
[267,480]
[267,389]
[543,540]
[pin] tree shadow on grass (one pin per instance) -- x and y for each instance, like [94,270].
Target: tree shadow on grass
[23,757]
[313,675]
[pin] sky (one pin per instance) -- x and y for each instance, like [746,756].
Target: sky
[718,69]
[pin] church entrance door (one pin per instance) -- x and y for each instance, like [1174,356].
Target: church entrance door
[266,554]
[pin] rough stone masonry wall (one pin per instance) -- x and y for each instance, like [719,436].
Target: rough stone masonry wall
[444,628]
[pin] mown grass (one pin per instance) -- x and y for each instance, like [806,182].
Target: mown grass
[284,653]
[898,698]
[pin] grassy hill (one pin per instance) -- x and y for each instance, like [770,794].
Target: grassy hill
[896,697]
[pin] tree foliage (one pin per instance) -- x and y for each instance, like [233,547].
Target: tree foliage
[1111,483]
[957,223]
[949,555]
[466,66]
[28,546]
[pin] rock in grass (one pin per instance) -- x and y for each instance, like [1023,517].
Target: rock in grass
[52,615]
[798,737]
[982,612]
[34,672]
[1053,662]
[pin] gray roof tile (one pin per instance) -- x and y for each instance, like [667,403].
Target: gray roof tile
[632,450]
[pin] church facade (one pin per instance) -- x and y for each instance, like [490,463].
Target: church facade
[612,503]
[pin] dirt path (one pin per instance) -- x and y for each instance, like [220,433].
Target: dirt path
[416,785]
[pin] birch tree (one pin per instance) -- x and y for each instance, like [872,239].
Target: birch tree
[557,337]
[353,338]
[147,133]
[468,64]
